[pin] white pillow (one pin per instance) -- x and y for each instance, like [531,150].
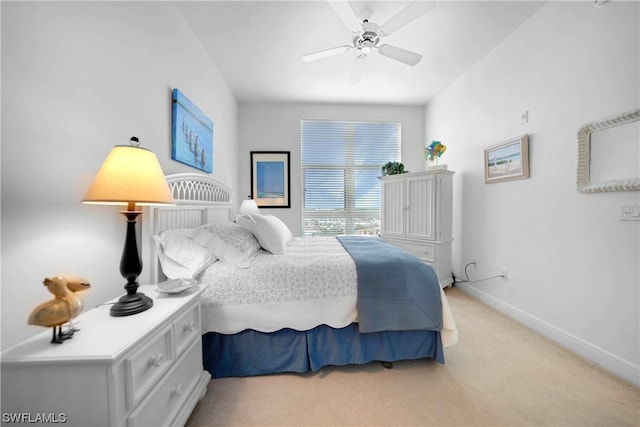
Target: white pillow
[229,242]
[271,232]
[180,257]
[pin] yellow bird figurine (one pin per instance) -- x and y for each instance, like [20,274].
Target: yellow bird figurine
[65,306]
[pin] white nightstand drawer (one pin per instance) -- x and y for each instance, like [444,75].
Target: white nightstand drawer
[161,406]
[187,328]
[144,367]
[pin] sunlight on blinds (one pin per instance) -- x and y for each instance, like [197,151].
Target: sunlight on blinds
[340,163]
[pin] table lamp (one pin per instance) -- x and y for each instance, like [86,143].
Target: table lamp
[248,206]
[130,176]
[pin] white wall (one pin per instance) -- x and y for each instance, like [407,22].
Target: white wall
[573,266]
[276,127]
[78,78]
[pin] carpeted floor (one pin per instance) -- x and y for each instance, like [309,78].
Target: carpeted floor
[499,374]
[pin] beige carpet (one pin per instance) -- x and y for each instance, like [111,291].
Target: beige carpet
[499,374]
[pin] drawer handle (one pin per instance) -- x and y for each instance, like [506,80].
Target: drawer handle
[177,390]
[189,327]
[156,360]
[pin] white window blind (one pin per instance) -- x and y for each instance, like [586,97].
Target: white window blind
[340,162]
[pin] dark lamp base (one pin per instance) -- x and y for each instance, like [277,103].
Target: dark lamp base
[131,304]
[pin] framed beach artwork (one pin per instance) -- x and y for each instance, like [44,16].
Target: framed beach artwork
[507,161]
[191,134]
[270,179]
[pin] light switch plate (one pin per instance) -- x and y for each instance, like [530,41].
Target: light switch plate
[630,213]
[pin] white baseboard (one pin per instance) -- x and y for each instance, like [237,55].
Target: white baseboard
[597,355]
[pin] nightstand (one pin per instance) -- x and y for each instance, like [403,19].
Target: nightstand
[140,370]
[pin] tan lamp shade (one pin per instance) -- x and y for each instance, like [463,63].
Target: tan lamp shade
[130,175]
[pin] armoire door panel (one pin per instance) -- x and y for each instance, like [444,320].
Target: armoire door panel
[421,207]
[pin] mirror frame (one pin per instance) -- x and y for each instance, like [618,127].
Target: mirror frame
[584,156]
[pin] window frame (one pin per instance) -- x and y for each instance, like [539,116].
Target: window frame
[350,214]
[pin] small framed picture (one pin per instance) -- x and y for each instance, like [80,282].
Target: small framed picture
[507,161]
[270,179]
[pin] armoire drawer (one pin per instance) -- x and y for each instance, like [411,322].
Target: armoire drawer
[424,251]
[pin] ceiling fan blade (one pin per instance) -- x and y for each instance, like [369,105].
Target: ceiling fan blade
[345,13]
[399,54]
[309,57]
[413,11]
[358,66]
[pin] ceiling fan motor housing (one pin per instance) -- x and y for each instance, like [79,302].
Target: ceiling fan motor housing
[368,38]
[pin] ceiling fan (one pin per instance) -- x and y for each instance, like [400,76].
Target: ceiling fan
[368,34]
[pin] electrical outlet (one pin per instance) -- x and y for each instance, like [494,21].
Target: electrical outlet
[505,274]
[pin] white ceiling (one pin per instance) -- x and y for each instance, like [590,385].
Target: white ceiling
[258,45]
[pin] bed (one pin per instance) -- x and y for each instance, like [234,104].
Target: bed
[278,303]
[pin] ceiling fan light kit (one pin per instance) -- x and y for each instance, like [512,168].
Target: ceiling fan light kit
[368,36]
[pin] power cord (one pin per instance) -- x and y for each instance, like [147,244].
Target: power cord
[466,273]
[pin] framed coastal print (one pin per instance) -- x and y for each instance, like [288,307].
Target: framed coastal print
[507,160]
[191,134]
[270,179]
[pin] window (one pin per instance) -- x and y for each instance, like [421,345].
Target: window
[340,162]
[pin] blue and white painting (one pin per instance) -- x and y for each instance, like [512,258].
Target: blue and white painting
[191,134]
[270,180]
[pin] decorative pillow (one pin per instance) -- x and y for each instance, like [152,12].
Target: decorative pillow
[229,242]
[272,234]
[180,257]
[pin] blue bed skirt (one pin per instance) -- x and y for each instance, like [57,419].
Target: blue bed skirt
[256,353]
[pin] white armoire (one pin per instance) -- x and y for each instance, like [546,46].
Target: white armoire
[416,215]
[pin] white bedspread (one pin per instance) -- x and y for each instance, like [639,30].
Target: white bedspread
[313,282]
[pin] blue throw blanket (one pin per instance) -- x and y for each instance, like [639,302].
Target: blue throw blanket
[396,290]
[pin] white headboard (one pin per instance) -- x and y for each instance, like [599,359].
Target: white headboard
[200,199]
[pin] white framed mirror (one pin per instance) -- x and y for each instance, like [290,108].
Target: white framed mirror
[609,154]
